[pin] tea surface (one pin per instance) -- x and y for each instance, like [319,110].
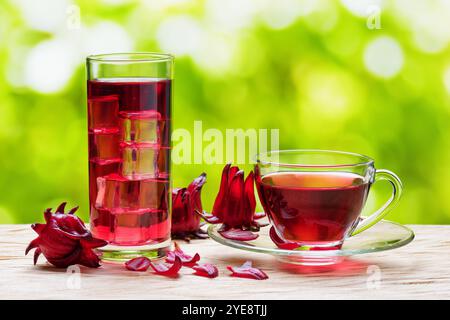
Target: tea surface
[313,207]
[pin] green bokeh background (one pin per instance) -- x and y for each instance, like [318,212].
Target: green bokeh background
[294,65]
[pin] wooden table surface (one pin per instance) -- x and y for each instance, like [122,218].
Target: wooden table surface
[420,270]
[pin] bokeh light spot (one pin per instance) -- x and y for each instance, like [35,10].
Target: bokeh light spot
[230,15]
[428,22]
[383,57]
[361,8]
[216,54]
[44,15]
[180,35]
[282,13]
[49,66]
[330,94]
[106,37]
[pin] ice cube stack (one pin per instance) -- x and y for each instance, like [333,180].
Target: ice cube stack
[129,170]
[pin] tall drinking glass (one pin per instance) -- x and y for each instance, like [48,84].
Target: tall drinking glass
[129,129]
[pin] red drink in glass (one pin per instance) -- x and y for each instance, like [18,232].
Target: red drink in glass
[315,207]
[129,126]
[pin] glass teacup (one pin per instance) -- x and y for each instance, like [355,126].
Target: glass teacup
[314,198]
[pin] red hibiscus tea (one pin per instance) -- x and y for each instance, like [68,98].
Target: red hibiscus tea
[129,161]
[313,207]
[129,145]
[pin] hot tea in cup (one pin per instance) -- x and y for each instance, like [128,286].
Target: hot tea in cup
[315,198]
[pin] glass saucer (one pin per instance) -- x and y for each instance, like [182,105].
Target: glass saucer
[385,235]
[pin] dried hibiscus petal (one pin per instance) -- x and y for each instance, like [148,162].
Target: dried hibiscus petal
[209,217]
[235,204]
[186,260]
[167,270]
[238,234]
[206,270]
[64,240]
[247,271]
[281,243]
[185,203]
[138,264]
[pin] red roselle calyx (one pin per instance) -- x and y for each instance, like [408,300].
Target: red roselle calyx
[64,240]
[238,234]
[206,270]
[174,261]
[247,271]
[186,260]
[235,205]
[138,264]
[185,202]
[168,270]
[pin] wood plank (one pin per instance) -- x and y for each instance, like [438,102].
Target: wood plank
[419,270]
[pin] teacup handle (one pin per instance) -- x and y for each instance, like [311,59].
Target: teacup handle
[388,206]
